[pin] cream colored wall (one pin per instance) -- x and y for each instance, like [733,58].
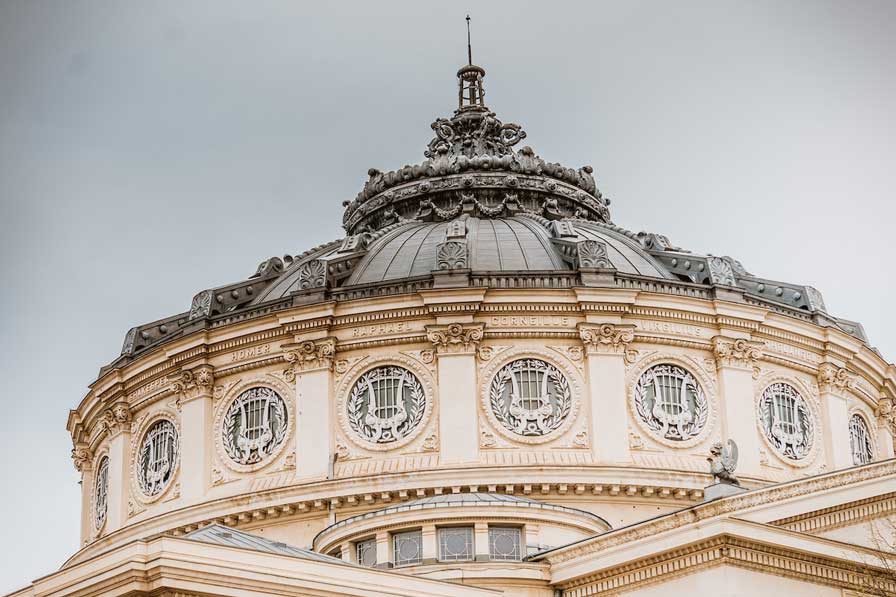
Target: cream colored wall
[728,581]
[603,459]
[879,534]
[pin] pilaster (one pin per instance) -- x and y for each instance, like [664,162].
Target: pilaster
[607,346]
[430,544]
[455,346]
[833,385]
[886,428]
[82,458]
[480,542]
[311,367]
[194,389]
[735,360]
[383,553]
[117,423]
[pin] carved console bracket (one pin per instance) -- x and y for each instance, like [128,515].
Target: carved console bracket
[455,338]
[309,355]
[739,352]
[82,457]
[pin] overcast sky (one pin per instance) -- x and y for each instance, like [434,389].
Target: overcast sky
[149,150]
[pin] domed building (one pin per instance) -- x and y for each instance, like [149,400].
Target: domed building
[488,387]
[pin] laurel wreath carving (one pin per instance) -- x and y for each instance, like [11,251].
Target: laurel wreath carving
[143,453]
[701,407]
[231,420]
[501,410]
[807,425]
[357,401]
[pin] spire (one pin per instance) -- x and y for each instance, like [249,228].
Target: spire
[470,91]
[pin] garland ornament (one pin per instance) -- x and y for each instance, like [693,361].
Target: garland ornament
[386,404]
[530,397]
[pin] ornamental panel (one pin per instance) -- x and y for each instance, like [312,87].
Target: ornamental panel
[528,397]
[101,493]
[384,403]
[157,458]
[671,403]
[254,425]
[253,422]
[787,422]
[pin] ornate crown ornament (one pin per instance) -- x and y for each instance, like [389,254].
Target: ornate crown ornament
[472,167]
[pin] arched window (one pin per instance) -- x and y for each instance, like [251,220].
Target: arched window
[786,420]
[101,492]
[860,440]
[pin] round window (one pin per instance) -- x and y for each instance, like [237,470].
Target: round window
[157,458]
[254,425]
[386,404]
[671,402]
[787,421]
[530,397]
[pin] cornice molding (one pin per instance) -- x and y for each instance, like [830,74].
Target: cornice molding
[852,513]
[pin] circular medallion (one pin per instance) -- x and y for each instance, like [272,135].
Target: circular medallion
[530,397]
[101,493]
[157,458]
[254,425]
[385,404]
[671,403]
[786,421]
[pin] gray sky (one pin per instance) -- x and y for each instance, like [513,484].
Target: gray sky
[149,150]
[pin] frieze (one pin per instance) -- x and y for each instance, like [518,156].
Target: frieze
[250,353]
[384,329]
[532,321]
[668,327]
[790,351]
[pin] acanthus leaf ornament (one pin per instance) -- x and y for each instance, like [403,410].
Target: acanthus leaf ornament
[831,378]
[81,457]
[117,419]
[607,338]
[193,383]
[455,338]
[736,352]
[309,355]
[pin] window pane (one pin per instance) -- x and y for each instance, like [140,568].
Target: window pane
[504,543]
[407,548]
[456,544]
[366,552]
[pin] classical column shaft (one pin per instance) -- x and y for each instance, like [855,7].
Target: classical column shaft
[605,347]
[734,360]
[312,365]
[458,415]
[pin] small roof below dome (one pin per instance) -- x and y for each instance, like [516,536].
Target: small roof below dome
[230,537]
[461,500]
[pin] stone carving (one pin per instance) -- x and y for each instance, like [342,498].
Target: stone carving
[451,255]
[81,457]
[386,404]
[128,346]
[455,338]
[217,476]
[722,462]
[473,134]
[530,397]
[671,403]
[157,457]
[430,443]
[606,338]
[309,355]
[193,383]
[786,420]
[201,305]
[886,413]
[117,419]
[593,253]
[720,271]
[736,352]
[101,493]
[831,377]
[254,425]
[313,274]
[816,301]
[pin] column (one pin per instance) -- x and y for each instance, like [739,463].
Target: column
[430,544]
[735,359]
[480,542]
[82,458]
[194,389]
[605,349]
[833,383]
[117,422]
[312,366]
[456,346]
[383,553]
[886,428]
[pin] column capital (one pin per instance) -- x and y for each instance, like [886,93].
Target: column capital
[309,355]
[606,338]
[82,458]
[117,419]
[736,352]
[832,378]
[194,383]
[455,338]
[886,413]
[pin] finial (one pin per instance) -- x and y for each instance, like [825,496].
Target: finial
[469,45]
